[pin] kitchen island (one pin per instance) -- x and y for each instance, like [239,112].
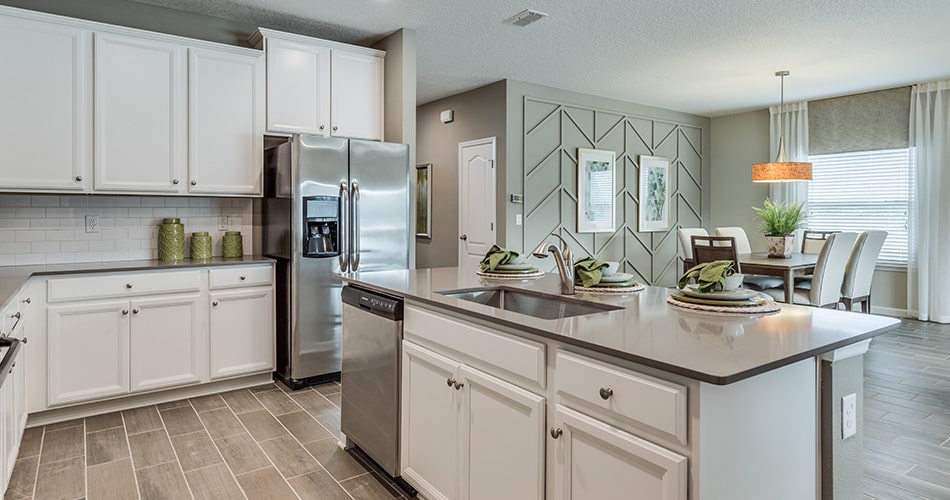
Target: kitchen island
[643,397]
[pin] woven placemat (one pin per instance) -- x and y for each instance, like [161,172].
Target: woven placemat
[511,276]
[768,307]
[636,287]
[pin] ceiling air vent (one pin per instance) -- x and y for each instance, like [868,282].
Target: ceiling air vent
[525,18]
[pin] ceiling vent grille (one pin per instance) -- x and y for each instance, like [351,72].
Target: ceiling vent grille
[525,18]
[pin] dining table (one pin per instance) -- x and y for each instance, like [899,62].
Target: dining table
[798,264]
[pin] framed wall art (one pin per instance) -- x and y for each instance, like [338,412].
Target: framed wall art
[595,191]
[654,194]
[424,200]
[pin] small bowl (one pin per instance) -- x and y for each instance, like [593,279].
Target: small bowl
[611,268]
[733,282]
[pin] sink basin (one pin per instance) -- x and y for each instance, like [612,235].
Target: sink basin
[534,304]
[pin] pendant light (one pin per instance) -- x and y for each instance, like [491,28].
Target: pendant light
[781,170]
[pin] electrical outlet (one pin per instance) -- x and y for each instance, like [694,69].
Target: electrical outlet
[517,219]
[849,416]
[222,223]
[92,223]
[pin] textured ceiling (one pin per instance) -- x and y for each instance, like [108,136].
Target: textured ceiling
[705,57]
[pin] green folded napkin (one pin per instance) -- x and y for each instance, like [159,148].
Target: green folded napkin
[708,274]
[497,255]
[588,271]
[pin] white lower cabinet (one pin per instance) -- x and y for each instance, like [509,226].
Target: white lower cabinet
[468,434]
[242,331]
[596,461]
[12,416]
[166,343]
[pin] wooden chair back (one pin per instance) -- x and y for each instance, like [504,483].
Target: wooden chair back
[813,241]
[710,248]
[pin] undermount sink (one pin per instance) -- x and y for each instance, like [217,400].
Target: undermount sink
[534,304]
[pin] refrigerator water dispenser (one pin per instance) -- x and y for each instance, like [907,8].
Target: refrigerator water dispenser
[321,231]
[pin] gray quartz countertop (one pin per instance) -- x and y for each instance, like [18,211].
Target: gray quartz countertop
[13,277]
[712,348]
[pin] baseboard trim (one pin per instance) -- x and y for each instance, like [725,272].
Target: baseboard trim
[890,311]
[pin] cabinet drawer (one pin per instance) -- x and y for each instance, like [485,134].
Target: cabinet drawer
[122,285]
[482,346]
[231,277]
[641,400]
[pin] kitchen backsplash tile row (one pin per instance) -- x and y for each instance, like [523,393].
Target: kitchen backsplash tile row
[51,229]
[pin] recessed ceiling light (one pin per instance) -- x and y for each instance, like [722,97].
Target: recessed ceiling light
[525,18]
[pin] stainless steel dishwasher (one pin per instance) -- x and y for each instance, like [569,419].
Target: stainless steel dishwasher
[372,337]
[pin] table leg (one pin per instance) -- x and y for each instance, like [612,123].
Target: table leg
[789,286]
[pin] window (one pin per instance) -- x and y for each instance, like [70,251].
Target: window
[860,191]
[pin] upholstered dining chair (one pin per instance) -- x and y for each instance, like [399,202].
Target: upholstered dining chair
[754,281]
[686,245]
[856,287]
[824,290]
[742,239]
[710,248]
[812,241]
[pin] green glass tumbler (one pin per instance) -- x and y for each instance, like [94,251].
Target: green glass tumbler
[232,244]
[200,245]
[171,240]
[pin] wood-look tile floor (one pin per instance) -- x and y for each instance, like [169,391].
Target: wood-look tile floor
[266,442]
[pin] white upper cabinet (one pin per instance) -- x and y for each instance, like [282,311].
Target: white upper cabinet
[45,98]
[320,87]
[226,127]
[140,114]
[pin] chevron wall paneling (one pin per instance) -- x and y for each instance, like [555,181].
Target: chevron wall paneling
[552,133]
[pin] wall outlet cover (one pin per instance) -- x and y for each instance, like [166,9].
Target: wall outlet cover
[92,223]
[222,223]
[849,416]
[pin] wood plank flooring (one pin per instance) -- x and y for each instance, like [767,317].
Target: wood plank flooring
[269,442]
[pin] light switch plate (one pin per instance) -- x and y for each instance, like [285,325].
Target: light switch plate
[849,416]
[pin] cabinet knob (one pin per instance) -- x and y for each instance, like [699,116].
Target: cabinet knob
[78,178]
[24,340]
[125,311]
[135,310]
[243,277]
[459,385]
[194,183]
[16,315]
[216,303]
[26,300]
[128,285]
[450,381]
[322,127]
[174,181]
[335,128]
[606,392]
[556,432]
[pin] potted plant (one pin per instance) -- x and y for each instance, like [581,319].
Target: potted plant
[779,223]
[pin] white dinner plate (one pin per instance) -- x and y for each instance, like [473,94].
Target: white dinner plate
[740,294]
[616,278]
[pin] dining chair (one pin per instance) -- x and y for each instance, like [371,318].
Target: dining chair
[742,239]
[812,241]
[824,289]
[856,287]
[710,248]
[686,245]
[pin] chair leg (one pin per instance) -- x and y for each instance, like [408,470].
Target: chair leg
[866,304]
[848,305]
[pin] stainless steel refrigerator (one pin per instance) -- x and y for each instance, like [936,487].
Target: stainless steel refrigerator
[330,206]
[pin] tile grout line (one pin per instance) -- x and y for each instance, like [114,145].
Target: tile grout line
[128,442]
[205,427]
[39,456]
[177,459]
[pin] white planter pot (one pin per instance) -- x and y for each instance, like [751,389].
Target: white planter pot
[780,247]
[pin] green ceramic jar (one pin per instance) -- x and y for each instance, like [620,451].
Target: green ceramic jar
[171,240]
[232,244]
[200,245]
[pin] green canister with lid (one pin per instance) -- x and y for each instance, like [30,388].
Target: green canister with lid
[200,245]
[232,244]
[171,240]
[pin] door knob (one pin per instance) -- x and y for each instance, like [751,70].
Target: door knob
[463,237]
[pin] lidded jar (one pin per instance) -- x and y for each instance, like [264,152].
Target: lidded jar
[171,240]
[232,244]
[200,245]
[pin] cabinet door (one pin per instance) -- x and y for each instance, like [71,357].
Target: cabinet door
[7,430]
[87,351]
[166,345]
[502,432]
[595,461]
[46,103]
[242,332]
[298,87]
[225,122]
[356,108]
[140,114]
[430,429]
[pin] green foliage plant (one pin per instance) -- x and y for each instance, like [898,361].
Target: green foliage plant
[780,219]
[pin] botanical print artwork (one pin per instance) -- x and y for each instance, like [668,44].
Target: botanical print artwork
[654,209]
[656,194]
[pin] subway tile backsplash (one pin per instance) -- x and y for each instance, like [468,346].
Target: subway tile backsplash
[50,229]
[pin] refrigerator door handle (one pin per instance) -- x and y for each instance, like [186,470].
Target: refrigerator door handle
[344,225]
[355,239]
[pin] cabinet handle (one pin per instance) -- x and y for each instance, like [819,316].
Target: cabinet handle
[322,127]
[335,128]
[243,277]
[78,178]
[606,392]
[556,432]
[135,310]
[459,385]
[125,312]
[26,300]
[450,381]
[216,303]
[128,285]
[194,182]
[174,181]
[15,316]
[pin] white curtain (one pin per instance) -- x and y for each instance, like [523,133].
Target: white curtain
[928,267]
[795,120]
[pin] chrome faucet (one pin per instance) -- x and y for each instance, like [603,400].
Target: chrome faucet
[563,259]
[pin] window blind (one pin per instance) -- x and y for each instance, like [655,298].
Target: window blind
[861,191]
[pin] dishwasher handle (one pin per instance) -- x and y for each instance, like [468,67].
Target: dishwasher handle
[373,302]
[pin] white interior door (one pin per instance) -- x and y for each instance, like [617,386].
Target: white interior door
[476,201]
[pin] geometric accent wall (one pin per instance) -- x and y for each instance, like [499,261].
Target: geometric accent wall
[552,132]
